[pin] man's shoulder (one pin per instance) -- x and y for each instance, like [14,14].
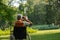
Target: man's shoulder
[19,21]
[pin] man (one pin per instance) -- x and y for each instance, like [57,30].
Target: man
[20,28]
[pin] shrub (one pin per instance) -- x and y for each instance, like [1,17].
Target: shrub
[45,27]
[5,32]
[30,30]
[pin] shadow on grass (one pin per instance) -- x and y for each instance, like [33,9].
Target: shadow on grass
[55,36]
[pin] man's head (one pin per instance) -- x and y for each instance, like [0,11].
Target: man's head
[19,16]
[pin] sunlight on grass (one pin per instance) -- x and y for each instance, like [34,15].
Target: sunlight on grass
[42,35]
[41,32]
[46,35]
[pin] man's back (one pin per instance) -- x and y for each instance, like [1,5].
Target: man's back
[19,23]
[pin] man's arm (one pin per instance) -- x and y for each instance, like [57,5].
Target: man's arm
[27,23]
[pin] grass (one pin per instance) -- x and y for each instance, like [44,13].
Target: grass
[45,35]
[55,36]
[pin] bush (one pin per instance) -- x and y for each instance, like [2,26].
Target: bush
[5,32]
[45,27]
[30,30]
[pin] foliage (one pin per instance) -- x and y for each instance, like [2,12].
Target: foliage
[30,30]
[39,12]
[7,31]
[21,8]
[44,12]
[6,14]
[36,12]
[45,27]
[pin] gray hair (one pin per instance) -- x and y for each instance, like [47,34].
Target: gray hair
[19,16]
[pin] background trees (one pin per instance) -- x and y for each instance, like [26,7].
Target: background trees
[45,12]
[6,15]
[39,12]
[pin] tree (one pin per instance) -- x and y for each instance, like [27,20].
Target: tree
[52,12]
[36,12]
[6,14]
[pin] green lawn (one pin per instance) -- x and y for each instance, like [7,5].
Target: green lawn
[45,35]
[55,36]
